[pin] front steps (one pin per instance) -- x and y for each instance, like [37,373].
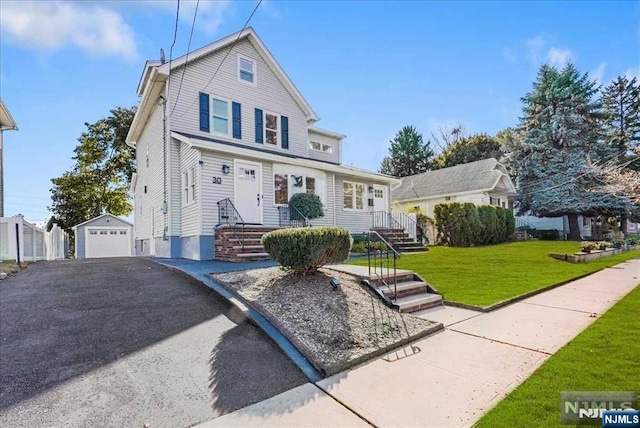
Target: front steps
[413,293]
[400,240]
[237,243]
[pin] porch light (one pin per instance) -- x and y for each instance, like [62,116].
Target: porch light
[225,169]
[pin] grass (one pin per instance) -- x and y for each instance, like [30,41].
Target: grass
[482,276]
[604,357]
[9,266]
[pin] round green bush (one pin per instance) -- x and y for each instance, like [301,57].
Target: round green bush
[304,250]
[309,205]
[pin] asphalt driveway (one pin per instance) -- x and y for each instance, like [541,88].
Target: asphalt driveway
[125,342]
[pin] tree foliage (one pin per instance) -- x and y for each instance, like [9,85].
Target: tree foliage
[408,154]
[468,149]
[560,131]
[464,225]
[99,181]
[621,102]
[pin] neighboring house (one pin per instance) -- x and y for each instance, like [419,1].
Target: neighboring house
[224,138]
[484,182]
[6,124]
[103,236]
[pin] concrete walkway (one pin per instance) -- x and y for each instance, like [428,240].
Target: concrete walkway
[452,378]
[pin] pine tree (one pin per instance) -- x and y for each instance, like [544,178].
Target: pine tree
[408,154]
[560,131]
[621,102]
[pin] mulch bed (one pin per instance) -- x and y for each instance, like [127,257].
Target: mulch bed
[334,329]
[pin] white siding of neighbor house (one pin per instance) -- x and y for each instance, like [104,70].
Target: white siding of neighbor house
[427,205]
[151,176]
[355,221]
[269,95]
[190,213]
[174,187]
[335,157]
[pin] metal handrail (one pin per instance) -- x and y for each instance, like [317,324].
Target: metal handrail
[224,218]
[405,223]
[379,262]
[290,216]
[522,223]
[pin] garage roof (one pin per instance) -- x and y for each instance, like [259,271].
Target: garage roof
[100,216]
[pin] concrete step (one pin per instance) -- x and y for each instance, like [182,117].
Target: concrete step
[405,288]
[247,248]
[401,277]
[253,256]
[411,248]
[418,302]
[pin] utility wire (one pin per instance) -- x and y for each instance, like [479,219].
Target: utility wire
[175,35]
[225,57]
[186,61]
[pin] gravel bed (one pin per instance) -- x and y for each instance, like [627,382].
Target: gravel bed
[334,329]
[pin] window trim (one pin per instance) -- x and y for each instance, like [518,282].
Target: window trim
[278,131]
[322,145]
[353,197]
[229,117]
[188,187]
[288,174]
[255,70]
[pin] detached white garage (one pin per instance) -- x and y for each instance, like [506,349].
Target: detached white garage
[104,236]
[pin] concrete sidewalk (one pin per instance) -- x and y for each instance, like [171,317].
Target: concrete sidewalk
[452,378]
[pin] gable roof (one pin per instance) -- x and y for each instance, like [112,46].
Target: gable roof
[250,34]
[478,176]
[6,120]
[100,216]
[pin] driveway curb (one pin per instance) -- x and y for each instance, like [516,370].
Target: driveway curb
[255,317]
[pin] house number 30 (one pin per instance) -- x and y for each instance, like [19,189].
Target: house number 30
[217,180]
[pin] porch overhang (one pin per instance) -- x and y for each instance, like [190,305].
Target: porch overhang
[237,150]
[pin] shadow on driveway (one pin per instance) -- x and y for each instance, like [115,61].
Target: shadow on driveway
[62,320]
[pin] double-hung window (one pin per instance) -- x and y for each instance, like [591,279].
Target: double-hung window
[221,115]
[271,128]
[188,186]
[246,70]
[354,195]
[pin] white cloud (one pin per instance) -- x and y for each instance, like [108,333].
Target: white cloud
[52,25]
[633,72]
[559,57]
[535,46]
[598,73]
[211,14]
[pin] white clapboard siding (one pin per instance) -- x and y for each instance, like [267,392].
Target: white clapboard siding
[190,213]
[269,95]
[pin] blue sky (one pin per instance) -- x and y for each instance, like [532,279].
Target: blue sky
[367,68]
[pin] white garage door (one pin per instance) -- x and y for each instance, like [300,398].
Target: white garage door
[107,242]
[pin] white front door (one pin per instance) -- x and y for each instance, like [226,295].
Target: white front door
[248,191]
[380,198]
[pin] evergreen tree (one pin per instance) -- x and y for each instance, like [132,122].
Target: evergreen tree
[468,149]
[561,131]
[621,102]
[408,154]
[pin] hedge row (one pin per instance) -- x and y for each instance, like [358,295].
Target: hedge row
[463,225]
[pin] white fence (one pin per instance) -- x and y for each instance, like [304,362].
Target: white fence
[31,242]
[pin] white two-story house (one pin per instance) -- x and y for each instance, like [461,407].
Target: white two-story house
[222,133]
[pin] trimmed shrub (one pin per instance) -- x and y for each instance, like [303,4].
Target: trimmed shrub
[309,205]
[544,234]
[304,250]
[490,226]
[458,224]
[463,225]
[363,247]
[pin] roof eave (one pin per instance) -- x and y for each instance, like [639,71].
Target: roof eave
[151,93]
[10,122]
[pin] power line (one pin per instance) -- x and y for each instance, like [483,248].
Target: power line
[175,35]
[186,61]
[225,57]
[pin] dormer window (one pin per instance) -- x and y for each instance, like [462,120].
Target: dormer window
[246,70]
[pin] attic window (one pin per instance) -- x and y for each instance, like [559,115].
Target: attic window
[246,70]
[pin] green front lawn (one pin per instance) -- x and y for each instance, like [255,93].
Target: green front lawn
[482,276]
[604,357]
